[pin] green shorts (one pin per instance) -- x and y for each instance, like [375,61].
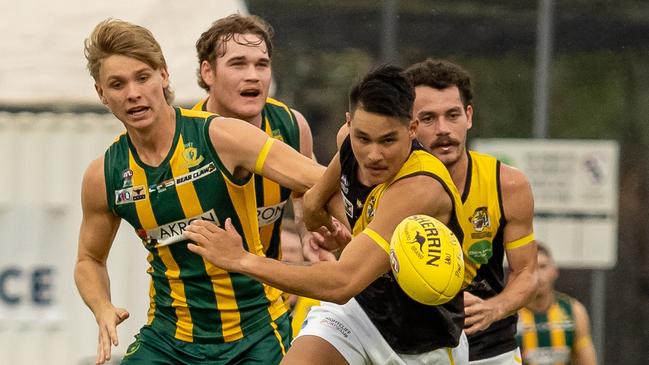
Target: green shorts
[261,347]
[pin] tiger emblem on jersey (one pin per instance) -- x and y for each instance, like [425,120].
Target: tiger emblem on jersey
[480,219]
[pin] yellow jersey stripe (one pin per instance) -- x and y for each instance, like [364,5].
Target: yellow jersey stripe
[280,104]
[279,337]
[557,334]
[144,209]
[378,239]
[520,242]
[530,339]
[151,311]
[194,113]
[245,204]
[271,195]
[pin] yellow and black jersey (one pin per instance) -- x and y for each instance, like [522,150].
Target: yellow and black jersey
[484,251]
[278,121]
[408,326]
[548,338]
[190,299]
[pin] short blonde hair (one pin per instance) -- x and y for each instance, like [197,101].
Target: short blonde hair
[118,37]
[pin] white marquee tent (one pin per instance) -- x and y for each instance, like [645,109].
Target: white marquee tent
[42,58]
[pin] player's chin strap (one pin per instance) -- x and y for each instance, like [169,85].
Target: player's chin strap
[378,239]
[261,159]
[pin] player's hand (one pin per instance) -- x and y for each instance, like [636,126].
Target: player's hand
[478,313]
[107,320]
[223,248]
[315,215]
[311,249]
[323,245]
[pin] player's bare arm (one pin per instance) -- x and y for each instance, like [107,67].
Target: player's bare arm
[316,198]
[98,229]
[244,148]
[362,261]
[335,281]
[583,351]
[315,245]
[518,206]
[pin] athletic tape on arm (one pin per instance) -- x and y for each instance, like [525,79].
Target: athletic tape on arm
[261,159]
[520,242]
[378,239]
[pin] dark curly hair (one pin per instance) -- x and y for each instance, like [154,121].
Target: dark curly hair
[441,74]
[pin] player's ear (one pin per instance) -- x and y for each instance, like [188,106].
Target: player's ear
[164,73]
[100,93]
[469,116]
[412,128]
[348,118]
[206,73]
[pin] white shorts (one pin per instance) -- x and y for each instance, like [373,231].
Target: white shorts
[512,357]
[352,333]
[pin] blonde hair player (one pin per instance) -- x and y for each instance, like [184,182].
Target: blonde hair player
[170,167]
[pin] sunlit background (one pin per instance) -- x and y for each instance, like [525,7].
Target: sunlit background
[572,70]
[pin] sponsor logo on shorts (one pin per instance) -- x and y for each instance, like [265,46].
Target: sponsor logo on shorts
[270,214]
[336,325]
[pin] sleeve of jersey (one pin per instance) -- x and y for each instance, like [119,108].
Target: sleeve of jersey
[520,242]
[378,239]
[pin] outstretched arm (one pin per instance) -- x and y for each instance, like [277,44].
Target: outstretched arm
[244,149]
[362,261]
[520,248]
[98,228]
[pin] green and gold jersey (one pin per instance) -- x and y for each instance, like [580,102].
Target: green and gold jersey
[408,326]
[484,251]
[278,122]
[190,299]
[547,338]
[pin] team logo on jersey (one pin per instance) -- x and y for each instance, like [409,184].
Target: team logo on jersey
[130,195]
[277,134]
[481,223]
[344,184]
[172,232]
[127,177]
[370,208]
[269,214]
[349,207]
[191,156]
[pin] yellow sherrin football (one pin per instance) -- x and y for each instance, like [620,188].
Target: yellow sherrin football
[426,260]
